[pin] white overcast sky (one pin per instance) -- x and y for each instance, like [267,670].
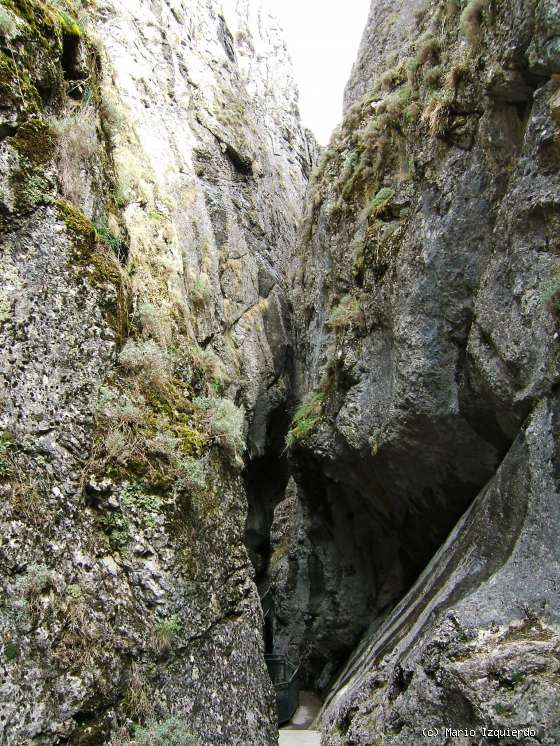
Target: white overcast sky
[323,38]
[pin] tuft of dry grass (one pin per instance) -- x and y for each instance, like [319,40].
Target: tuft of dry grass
[437,115]
[148,362]
[26,501]
[347,314]
[137,702]
[455,75]
[76,144]
[155,323]
[471,20]
[429,48]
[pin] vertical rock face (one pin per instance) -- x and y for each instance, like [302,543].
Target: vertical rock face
[217,145]
[426,310]
[152,170]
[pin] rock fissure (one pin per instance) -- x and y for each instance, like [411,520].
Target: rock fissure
[179,269]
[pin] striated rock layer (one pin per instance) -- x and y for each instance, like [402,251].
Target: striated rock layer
[426,313]
[152,171]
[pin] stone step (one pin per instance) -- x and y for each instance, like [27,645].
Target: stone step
[300,738]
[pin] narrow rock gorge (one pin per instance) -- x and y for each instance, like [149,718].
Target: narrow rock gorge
[234,364]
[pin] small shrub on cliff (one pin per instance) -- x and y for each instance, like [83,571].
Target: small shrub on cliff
[164,634]
[164,443]
[200,291]
[148,361]
[347,314]
[225,423]
[155,323]
[118,408]
[191,474]
[306,418]
[208,363]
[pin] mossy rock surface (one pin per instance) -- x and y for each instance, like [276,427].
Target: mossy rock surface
[35,141]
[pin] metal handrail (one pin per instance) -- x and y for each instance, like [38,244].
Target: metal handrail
[285,685]
[269,605]
[286,661]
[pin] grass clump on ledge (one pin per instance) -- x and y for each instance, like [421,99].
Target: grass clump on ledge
[224,422]
[437,114]
[164,634]
[347,314]
[148,361]
[105,234]
[200,291]
[306,418]
[76,144]
[429,48]
[380,203]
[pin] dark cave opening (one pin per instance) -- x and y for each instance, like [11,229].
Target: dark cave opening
[73,65]
[266,477]
[365,530]
[371,528]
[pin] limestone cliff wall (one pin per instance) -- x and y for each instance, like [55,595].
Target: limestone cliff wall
[152,170]
[426,313]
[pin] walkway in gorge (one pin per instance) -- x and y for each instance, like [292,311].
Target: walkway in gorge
[298,732]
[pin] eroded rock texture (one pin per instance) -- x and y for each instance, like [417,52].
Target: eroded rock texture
[152,176]
[427,324]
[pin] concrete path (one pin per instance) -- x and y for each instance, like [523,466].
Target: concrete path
[297,732]
[309,706]
[300,738]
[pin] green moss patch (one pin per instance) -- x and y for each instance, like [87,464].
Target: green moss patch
[81,228]
[381,202]
[35,141]
[16,88]
[306,418]
[98,260]
[347,314]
